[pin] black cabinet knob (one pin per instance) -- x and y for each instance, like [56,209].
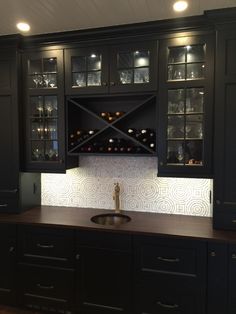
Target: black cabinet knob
[213,254]
[161,163]
[217,202]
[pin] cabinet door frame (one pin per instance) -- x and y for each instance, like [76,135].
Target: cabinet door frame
[86,51]
[204,170]
[10,124]
[224,214]
[45,166]
[152,47]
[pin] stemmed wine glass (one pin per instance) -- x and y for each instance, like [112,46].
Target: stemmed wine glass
[180,154]
[46,80]
[37,80]
[49,108]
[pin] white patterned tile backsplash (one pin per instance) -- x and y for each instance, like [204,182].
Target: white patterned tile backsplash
[92,185]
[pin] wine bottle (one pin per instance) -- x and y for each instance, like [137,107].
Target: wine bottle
[122,149]
[131,131]
[111,118]
[130,149]
[118,114]
[71,136]
[90,148]
[91,132]
[104,115]
[152,145]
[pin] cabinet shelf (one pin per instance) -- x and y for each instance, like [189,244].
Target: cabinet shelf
[138,113]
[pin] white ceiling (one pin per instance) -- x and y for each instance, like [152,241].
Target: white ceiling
[48,16]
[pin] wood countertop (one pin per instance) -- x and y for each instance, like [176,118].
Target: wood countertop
[141,222]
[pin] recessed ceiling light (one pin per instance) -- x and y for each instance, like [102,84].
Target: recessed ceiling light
[23,27]
[180,6]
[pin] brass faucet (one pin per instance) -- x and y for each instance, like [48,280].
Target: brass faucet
[116,197]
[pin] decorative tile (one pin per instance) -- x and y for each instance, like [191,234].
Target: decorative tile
[92,185]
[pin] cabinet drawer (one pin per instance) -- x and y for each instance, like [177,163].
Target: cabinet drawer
[46,246]
[174,256]
[154,299]
[170,259]
[46,288]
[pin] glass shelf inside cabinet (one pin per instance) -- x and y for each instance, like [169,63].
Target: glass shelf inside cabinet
[133,67]
[44,128]
[186,63]
[86,70]
[185,126]
[42,73]
[117,125]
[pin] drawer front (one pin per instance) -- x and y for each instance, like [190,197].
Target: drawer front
[174,256]
[46,246]
[7,263]
[104,240]
[46,287]
[154,299]
[168,259]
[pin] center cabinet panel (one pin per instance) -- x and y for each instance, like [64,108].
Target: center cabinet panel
[110,69]
[104,273]
[112,125]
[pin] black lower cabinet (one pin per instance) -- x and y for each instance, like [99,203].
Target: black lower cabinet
[170,276]
[104,274]
[7,264]
[232,279]
[46,275]
[47,289]
[217,278]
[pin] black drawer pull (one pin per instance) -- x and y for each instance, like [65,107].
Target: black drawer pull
[234,256]
[169,260]
[3,205]
[168,306]
[44,246]
[45,287]
[234,221]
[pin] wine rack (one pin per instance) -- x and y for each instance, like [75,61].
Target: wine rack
[112,125]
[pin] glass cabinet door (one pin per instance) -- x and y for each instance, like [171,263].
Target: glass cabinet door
[44,111]
[42,73]
[186,63]
[186,102]
[44,128]
[86,70]
[185,126]
[133,67]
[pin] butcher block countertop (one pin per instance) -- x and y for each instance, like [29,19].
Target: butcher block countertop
[143,223]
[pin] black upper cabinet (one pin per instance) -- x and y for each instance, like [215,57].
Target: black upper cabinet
[185,106]
[17,190]
[125,68]
[9,137]
[225,136]
[44,112]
